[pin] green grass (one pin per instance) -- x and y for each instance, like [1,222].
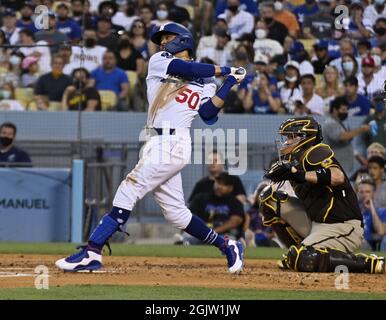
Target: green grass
[96,292]
[137,250]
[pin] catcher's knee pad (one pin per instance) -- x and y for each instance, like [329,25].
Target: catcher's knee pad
[306,259]
[270,204]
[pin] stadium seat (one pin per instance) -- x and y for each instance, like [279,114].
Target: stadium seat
[308,45]
[190,10]
[24,96]
[133,79]
[108,99]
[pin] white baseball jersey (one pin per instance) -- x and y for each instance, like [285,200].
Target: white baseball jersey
[177,103]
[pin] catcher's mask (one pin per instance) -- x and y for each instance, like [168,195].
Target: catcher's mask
[297,135]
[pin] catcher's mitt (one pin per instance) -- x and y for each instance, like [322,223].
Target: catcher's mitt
[285,170]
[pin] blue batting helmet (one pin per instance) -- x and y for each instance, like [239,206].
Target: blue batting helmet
[183,41]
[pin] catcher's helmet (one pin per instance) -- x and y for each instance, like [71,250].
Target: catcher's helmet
[183,41]
[307,129]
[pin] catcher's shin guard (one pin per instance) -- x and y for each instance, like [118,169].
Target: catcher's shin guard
[309,259]
[270,204]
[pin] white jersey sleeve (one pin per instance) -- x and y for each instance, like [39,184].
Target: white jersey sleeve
[158,64]
[209,90]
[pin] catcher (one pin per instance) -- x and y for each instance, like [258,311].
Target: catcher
[322,227]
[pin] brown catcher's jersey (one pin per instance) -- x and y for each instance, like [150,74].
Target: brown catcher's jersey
[327,204]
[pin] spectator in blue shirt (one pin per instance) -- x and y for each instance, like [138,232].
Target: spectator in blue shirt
[110,77]
[8,152]
[374,219]
[309,8]
[25,21]
[259,99]
[67,25]
[359,105]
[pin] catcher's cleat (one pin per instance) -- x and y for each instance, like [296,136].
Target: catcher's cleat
[234,252]
[282,264]
[377,264]
[85,259]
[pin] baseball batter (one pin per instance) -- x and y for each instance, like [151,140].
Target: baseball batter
[322,227]
[178,90]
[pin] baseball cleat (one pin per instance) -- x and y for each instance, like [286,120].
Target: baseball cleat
[234,253]
[85,259]
[378,264]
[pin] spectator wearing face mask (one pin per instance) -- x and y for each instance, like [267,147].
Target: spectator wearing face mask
[246,5]
[262,44]
[349,66]
[7,99]
[289,90]
[239,21]
[9,154]
[338,135]
[128,58]
[373,12]
[277,31]
[9,69]
[93,53]
[161,14]
[243,57]
[286,17]
[346,48]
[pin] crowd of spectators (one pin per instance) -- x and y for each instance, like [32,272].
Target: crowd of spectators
[301,58]
[299,54]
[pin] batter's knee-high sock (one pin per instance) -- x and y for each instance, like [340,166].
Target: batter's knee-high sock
[109,224]
[197,228]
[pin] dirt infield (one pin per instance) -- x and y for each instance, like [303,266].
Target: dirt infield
[18,271]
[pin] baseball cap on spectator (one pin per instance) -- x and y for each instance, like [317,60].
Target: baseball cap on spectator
[63,5]
[321,44]
[9,13]
[293,64]
[368,62]
[261,58]
[28,61]
[296,46]
[356,3]
[51,14]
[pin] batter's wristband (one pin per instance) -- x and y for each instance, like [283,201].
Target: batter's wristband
[323,176]
[225,70]
[226,87]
